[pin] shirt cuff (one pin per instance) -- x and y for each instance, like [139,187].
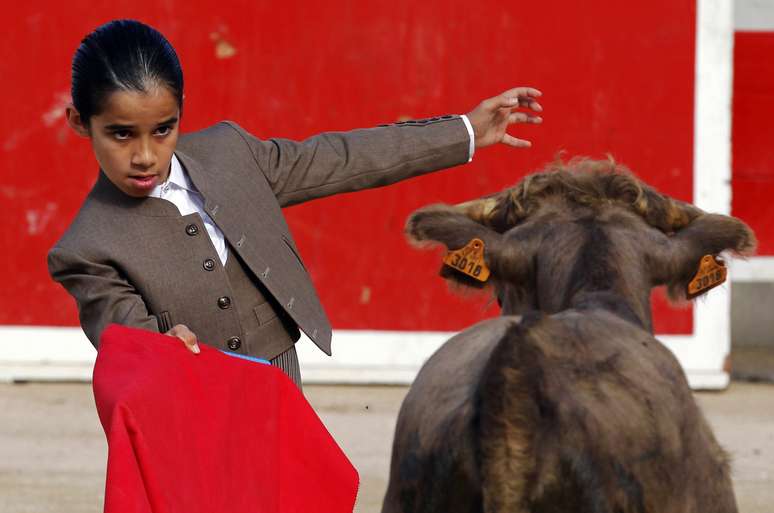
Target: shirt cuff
[472,147]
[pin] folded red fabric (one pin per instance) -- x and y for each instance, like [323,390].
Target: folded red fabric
[210,433]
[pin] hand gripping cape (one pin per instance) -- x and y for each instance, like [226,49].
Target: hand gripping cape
[210,433]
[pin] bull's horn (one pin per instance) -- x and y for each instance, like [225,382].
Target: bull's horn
[665,213]
[479,210]
[680,214]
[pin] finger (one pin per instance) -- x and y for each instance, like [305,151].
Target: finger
[530,104]
[506,100]
[516,143]
[523,117]
[523,92]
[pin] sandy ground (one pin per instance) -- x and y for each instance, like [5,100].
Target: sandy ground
[53,451]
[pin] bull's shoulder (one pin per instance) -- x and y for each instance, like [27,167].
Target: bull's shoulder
[474,342]
[459,361]
[434,434]
[599,345]
[445,387]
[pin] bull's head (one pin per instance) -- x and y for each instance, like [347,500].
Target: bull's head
[581,230]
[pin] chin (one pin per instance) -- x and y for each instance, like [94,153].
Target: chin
[136,194]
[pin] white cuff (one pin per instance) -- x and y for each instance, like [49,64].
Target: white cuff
[472,147]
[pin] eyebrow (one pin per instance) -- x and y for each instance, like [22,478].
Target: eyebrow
[118,126]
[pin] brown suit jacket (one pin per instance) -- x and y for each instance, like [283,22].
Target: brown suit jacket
[133,262]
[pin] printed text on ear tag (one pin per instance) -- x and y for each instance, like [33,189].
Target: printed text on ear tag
[469,260]
[712,272]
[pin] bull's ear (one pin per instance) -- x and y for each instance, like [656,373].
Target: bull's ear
[447,225]
[509,256]
[674,259]
[451,227]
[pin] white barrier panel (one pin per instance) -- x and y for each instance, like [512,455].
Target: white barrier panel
[360,357]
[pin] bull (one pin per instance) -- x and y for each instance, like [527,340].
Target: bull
[566,402]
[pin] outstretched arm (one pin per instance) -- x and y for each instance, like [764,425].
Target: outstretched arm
[336,162]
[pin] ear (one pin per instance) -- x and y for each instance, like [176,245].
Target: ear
[76,122]
[447,225]
[451,227]
[674,260]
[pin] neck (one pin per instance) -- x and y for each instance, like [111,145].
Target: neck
[612,302]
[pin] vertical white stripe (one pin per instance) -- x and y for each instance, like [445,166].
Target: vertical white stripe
[712,166]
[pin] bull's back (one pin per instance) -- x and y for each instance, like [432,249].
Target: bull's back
[585,411]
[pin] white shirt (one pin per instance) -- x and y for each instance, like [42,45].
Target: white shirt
[179,190]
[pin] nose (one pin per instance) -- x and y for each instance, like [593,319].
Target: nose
[143,155]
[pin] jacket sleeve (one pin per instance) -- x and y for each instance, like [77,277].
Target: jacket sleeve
[101,294]
[336,162]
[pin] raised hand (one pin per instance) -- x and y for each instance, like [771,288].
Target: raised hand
[491,118]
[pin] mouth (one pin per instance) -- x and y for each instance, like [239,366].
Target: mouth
[144,182]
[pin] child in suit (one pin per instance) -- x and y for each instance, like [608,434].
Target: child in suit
[202,251]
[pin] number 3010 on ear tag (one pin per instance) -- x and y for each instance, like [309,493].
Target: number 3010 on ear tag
[469,260]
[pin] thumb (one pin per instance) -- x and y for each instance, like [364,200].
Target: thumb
[191,343]
[188,337]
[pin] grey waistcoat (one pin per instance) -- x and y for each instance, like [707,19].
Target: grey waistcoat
[266,330]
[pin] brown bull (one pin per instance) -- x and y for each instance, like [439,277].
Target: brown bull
[566,403]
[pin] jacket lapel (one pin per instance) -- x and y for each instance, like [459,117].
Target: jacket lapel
[201,179]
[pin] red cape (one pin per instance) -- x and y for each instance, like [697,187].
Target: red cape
[210,433]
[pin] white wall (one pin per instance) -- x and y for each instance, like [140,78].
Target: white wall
[754,15]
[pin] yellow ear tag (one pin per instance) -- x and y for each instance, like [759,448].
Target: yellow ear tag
[712,272]
[469,260]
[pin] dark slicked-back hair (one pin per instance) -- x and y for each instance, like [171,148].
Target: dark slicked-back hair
[122,55]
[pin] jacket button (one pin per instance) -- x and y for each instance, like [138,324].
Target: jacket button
[209,265]
[234,343]
[290,303]
[192,229]
[224,302]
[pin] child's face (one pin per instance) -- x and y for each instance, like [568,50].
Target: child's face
[133,138]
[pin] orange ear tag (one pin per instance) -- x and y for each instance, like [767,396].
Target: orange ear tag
[469,260]
[712,272]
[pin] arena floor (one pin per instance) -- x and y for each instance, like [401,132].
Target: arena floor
[53,451]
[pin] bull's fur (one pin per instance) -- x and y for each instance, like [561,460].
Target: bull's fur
[566,402]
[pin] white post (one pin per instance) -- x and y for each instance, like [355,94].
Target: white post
[706,352]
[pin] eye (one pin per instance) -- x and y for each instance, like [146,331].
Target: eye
[122,135]
[163,130]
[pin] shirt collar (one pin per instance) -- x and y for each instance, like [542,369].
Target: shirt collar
[177,177]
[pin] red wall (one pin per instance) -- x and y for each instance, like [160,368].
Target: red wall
[753,135]
[617,78]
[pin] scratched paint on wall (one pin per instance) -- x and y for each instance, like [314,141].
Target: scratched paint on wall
[617,78]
